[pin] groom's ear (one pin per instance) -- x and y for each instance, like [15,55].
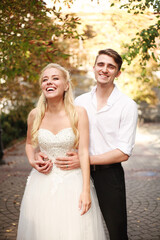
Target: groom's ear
[118,74]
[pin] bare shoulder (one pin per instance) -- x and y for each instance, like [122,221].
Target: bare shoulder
[82,114]
[81,110]
[32,114]
[83,123]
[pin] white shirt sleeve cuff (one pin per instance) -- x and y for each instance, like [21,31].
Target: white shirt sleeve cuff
[125,148]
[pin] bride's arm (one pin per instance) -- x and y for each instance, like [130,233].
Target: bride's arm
[83,154]
[39,165]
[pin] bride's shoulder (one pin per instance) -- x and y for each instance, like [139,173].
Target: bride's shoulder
[82,113]
[80,110]
[32,114]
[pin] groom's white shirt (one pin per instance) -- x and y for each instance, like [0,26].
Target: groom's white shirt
[113,126]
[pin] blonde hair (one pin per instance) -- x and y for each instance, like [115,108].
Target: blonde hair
[68,103]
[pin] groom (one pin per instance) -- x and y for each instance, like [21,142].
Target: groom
[112,120]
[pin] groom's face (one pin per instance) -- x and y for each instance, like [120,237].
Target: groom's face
[106,69]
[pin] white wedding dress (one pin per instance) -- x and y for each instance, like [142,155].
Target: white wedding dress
[49,208]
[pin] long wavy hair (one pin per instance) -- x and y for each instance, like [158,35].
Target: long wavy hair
[68,103]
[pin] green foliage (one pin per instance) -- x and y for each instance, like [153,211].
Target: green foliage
[14,123]
[29,39]
[139,6]
[145,42]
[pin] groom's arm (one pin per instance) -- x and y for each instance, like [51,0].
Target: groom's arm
[72,161]
[111,157]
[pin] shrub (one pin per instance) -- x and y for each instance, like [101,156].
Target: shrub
[14,124]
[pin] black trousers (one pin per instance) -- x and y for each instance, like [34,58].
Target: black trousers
[110,188]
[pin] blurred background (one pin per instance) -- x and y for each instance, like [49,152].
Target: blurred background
[71,32]
[34,33]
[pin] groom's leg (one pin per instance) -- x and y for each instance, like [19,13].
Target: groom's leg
[110,188]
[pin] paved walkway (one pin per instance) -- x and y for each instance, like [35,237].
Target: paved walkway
[142,184]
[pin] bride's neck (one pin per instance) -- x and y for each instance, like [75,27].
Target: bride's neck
[55,107]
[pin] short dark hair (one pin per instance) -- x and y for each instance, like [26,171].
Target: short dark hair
[110,52]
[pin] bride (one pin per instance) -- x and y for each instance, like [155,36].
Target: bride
[59,205]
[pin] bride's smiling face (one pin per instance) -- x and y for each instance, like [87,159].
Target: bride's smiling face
[53,83]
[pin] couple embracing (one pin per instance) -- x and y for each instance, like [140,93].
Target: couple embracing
[89,136]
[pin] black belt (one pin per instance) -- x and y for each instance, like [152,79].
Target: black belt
[100,167]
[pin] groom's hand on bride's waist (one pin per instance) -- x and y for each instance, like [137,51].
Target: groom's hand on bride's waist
[71,161]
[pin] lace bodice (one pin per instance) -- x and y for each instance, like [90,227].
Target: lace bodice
[56,145]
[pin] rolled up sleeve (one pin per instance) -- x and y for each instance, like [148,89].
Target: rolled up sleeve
[127,128]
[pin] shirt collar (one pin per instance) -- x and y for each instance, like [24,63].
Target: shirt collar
[115,94]
[93,90]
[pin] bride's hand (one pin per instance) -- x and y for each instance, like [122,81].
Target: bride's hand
[41,163]
[84,202]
